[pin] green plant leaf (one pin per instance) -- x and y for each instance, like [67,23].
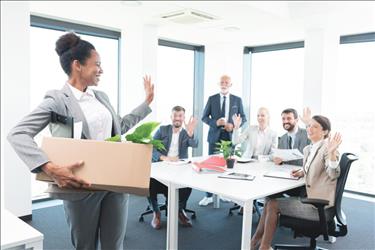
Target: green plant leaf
[116,138]
[146,129]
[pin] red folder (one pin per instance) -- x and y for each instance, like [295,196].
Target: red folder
[214,163]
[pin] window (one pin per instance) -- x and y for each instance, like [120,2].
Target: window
[353,113]
[276,76]
[179,81]
[47,74]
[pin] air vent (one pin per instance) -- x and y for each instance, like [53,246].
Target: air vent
[188,17]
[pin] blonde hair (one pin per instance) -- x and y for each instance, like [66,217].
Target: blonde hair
[267,112]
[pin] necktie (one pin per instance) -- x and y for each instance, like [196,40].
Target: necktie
[223,107]
[290,142]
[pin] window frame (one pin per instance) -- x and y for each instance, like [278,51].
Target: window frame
[247,73]
[198,92]
[358,38]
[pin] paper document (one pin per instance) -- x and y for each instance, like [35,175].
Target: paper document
[237,176]
[77,130]
[281,173]
[287,154]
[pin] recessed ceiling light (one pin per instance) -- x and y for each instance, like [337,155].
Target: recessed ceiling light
[231,28]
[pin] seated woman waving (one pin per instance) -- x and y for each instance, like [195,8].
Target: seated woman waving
[320,170]
[258,139]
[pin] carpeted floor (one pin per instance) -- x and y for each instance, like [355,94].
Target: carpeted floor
[212,229]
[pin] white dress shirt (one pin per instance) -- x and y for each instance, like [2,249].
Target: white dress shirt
[293,135]
[173,148]
[98,117]
[227,105]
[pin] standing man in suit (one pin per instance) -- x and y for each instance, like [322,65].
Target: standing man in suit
[176,140]
[87,212]
[295,137]
[218,114]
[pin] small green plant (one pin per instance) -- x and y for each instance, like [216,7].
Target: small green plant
[227,149]
[143,135]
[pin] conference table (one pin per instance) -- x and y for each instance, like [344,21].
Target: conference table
[242,192]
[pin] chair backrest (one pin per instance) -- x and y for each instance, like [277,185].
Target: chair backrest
[345,162]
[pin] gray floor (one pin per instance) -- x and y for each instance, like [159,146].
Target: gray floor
[213,228]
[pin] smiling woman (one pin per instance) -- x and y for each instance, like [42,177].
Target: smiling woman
[83,208]
[43,35]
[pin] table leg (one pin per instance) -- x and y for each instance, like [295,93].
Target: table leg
[246,224]
[172,222]
[216,201]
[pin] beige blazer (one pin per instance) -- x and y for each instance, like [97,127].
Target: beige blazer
[320,179]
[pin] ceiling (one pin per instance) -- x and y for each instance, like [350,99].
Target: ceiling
[253,21]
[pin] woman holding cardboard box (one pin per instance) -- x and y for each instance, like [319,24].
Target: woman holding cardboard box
[87,212]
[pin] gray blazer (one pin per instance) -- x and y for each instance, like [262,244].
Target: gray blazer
[164,134]
[64,103]
[249,137]
[301,141]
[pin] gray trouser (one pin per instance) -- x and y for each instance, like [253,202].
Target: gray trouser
[99,215]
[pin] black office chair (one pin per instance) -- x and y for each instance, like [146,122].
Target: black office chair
[325,226]
[256,205]
[163,207]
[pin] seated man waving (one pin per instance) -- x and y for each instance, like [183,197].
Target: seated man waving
[176,140]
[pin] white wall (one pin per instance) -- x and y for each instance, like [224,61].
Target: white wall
[15,98]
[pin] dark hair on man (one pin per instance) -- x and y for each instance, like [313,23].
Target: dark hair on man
[324,122]
[178,109]
[290,110]
[71,47]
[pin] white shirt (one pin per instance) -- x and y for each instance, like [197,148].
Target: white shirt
[173,148]
[98,117]
[261,142]
[226,104]
[293,135]
[314,147]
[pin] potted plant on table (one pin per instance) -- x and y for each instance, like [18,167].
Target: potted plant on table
[228,150]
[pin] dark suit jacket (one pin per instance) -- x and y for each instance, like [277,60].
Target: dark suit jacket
[301,141]
[164,134]
[212,112]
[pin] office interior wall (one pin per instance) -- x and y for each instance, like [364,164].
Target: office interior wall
[15,92]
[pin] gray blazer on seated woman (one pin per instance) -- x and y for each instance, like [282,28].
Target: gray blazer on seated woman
[258,139]
[320,170]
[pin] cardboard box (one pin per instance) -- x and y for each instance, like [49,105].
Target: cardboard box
[113,166]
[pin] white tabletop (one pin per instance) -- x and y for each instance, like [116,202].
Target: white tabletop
[15,232]
[240,190]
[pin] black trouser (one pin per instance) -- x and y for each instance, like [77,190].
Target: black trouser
[159,188]
[224,135]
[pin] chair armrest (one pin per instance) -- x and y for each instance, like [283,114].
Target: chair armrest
[315,202]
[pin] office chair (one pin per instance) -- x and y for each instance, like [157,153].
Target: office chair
[256,204]
[325,226]
[163,207]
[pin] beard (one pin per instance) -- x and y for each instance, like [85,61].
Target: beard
[290,127]
[177,124]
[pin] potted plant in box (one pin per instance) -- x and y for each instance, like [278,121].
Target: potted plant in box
[228,150]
